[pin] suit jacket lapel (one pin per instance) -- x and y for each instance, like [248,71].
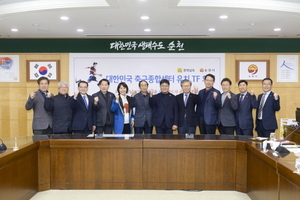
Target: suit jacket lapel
[121,103]
[102,98]
[162,99]
[81,101]
[209,94]
[247,97]
[190,98]
[268,98]
[168,99]
[140,98]
[40,95]
[244,98]
[181,100]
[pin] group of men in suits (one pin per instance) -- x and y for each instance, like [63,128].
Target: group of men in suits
[62,114]
[209,109]
[230,112]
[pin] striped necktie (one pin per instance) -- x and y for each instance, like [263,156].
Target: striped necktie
[261,105]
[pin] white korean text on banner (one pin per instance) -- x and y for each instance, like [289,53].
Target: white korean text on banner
[152,67]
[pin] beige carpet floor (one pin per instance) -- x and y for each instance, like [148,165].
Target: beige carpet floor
[139,195]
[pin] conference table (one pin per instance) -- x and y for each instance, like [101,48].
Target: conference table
[150,161]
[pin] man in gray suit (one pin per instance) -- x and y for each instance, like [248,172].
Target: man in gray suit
[42,119]
[227,122]
[102,102]
[143,111]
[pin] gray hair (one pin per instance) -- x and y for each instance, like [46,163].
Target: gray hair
[62,82]
[185,81]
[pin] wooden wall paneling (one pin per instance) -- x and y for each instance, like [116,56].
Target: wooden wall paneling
[241,167]
[192,165]
[97,166]
[19,173]
[16,121]
[285,90]
[262,177]
[289,182]
[147,164]
[288,190]
[44,166]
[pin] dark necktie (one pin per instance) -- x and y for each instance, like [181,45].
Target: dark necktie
[241,98]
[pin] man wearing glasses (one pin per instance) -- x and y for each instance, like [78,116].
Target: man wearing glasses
[165,109]
[84,116]
[268,103]
[208,109]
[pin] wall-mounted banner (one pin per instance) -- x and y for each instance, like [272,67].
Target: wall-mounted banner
[152,67]
[9,68]
[287,68]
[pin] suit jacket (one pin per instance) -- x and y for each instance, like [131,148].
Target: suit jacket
[61,113]
[244,117]
[41,118]
[103,108]
[118,114]
[143,111]
[189,110]
[81,115]
[227,111]
[167,111]
[271,105]
[211,106]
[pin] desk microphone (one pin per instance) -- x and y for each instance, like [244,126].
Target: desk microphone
[2,146]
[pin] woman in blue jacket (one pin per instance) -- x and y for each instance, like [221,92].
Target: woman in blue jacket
[122,108]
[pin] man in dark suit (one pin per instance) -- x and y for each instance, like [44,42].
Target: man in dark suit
[268,103]
[165,109]
[247,102]
[42,119]
[102,101]
[208,109]
[187,102]
[61,111]
[84,120]
[227,122]
[143,111]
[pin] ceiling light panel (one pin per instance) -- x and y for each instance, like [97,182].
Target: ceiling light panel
[47,5]
[64,18]
[144,17]
[279,5]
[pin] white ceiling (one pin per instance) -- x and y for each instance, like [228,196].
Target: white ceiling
[167,18]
